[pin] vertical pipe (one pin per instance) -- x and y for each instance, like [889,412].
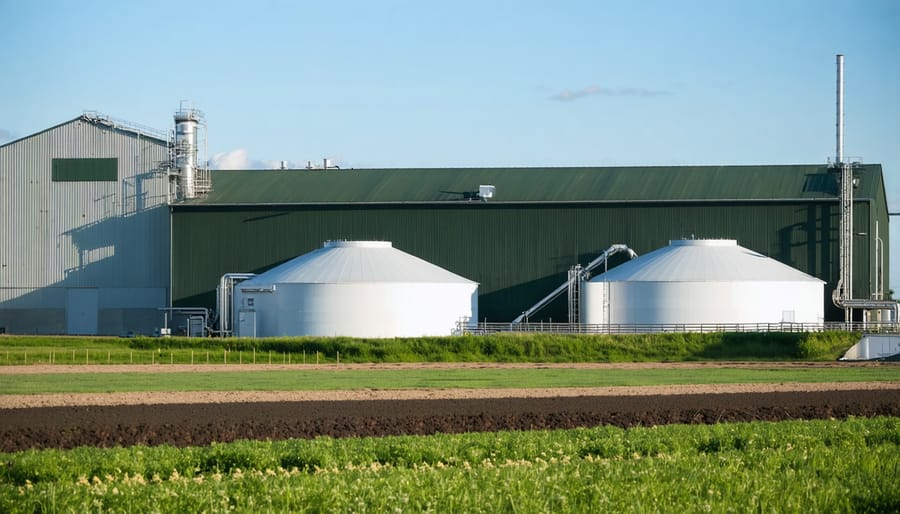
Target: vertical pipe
[839,123]
[879,265]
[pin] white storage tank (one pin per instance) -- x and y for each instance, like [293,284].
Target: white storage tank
[356,289]
[706,281]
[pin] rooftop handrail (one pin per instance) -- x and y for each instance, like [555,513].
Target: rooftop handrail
[131,126]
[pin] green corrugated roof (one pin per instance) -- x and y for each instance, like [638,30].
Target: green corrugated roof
[533,184]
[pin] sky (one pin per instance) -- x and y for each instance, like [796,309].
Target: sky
[371,84]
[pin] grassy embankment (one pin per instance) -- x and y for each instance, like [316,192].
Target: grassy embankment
[529,347]
[797,466]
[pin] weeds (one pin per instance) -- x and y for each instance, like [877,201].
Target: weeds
[508,347]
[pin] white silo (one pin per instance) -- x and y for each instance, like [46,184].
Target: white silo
[191,177]
[186,123]
[707,281]
[356,289]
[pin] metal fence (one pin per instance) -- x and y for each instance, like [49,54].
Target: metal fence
[581,328]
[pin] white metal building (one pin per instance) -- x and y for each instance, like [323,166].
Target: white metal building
[86,229]
[712,281]
[354,288]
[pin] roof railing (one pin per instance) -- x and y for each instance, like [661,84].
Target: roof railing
[105,119]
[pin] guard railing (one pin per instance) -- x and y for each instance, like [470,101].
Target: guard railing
[582,328]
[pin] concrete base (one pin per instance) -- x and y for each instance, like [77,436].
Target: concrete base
[872,347]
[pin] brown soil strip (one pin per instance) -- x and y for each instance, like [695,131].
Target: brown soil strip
[199,418]
[204,423]
[205,397]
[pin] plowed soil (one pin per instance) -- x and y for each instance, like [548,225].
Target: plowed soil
[182,419]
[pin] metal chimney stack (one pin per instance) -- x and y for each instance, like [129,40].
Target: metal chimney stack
[186,121]
[192,178]
[839,152]
[842,296]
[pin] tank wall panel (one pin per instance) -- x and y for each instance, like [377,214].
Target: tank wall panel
[667,303]
[358,309]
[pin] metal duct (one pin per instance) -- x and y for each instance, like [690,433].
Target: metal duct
[839,151]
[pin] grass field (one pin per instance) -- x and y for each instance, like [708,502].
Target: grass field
[797,466]
[487,378]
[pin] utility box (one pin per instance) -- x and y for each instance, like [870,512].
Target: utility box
[246,324]
[195,326]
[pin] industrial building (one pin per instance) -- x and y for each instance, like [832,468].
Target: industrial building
[84,214]
[107,227]
[520,243]
[97,239]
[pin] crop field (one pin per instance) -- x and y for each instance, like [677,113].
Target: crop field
[507,423]
[796,466]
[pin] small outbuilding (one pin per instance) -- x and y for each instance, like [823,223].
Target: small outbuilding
[706,281]
[356,289]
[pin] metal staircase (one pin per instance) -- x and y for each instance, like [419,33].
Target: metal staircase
[577,275]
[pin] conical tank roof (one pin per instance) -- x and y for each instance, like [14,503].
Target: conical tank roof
[704,260]
[340,262]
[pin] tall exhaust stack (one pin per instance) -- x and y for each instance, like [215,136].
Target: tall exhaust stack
[192,176]
[843,294]
[839,151]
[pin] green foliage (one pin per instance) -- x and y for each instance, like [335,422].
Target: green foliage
[798,466]
[501,347]
[822,345]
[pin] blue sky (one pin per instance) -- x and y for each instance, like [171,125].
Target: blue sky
[460,83]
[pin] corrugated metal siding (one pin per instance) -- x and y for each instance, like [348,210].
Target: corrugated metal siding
[532,184]
[866,234]
[72,234]
[863,246]
[518,253]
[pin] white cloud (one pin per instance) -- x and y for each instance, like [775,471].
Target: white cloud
[570,96]
[230,160]
[239,159]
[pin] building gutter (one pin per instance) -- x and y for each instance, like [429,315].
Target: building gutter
[201,206]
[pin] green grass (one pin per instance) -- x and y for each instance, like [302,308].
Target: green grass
[492,378]
[510,347]
[797,466]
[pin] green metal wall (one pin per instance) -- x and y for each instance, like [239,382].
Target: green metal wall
[517,252]
[90,169]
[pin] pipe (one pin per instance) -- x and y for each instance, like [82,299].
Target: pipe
[616,248]
[879,263]
[839,123]
[224,294]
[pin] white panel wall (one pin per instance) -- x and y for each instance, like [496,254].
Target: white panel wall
[112,236]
